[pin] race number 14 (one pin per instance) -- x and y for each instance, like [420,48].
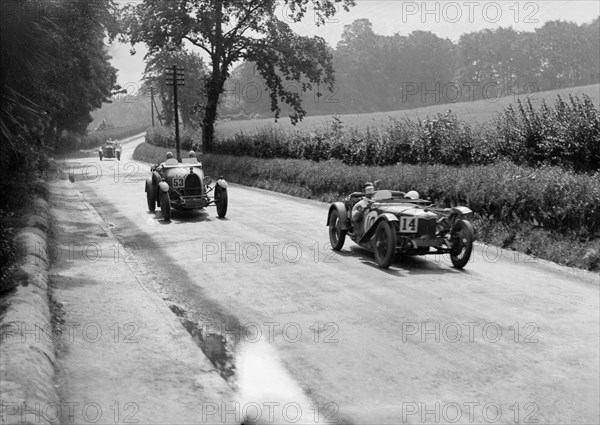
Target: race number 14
[408,225]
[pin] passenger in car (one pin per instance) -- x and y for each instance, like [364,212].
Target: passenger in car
[361,207]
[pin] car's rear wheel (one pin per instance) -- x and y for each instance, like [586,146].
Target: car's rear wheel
[151,200]
[100,155]
[221,201]
[385,244]
[462,243]
[337,236]
[165,205]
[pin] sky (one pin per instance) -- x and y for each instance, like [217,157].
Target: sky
[446,19]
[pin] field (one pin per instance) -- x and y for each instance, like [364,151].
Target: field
[477,112]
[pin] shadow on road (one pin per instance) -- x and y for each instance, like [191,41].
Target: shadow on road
[404,264]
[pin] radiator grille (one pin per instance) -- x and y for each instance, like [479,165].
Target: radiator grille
[427,226]
[193,186]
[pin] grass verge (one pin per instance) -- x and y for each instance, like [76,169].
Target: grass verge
[511,203]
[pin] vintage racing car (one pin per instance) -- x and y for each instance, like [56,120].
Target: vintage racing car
[183,185]
[393,223]
[110,149]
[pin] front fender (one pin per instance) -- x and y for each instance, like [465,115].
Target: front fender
[459,213]
[342,213]
[390,218]
[222,183]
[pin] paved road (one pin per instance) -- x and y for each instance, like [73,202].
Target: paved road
[506,340]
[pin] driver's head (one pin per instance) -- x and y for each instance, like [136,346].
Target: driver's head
[169,155]
[368,189]
[191,154]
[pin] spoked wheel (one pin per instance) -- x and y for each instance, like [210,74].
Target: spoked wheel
[385,244]
[337,236]
[165,205]
[462,243]
[221,201]
[151,200]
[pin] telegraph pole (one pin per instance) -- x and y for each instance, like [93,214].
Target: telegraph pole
[175,77]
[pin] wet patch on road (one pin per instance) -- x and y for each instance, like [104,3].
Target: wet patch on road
[215,346]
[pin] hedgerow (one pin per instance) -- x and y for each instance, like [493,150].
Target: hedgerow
[567,135]
[165,137]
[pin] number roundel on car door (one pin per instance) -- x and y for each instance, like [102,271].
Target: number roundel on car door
[369,220]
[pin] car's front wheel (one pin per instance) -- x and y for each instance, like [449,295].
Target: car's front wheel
[462,243]
[165,205]
[118,156]
[385,244]
[100,155]
[337,236]
[221,201]
[151,200]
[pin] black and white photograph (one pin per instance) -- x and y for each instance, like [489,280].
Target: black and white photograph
[362,212]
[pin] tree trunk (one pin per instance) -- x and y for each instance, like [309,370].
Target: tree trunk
[208,124]
[216,82]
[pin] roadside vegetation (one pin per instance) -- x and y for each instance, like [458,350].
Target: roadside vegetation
[93,139]
[566,134]
[55,71]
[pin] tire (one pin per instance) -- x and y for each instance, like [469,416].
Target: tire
[118,156]
[384,244]
[165,205]
[221,201]
[100,155]
[462,240]
[337,236]
[151,200]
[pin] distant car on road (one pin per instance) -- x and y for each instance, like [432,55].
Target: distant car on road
[110,149]
[183,186]
[393,223]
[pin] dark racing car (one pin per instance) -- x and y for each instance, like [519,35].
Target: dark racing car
[110,149]
[183,186]
[389,222]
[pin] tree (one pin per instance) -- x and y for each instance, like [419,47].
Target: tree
[190,96]
[232,30]
[559,48]
[55,69]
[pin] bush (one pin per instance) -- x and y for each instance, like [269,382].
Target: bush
[566,135]
[164,137]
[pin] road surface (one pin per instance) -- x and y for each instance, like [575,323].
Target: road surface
[506,340]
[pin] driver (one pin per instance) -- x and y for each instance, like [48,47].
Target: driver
[160,166]
[361,207]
